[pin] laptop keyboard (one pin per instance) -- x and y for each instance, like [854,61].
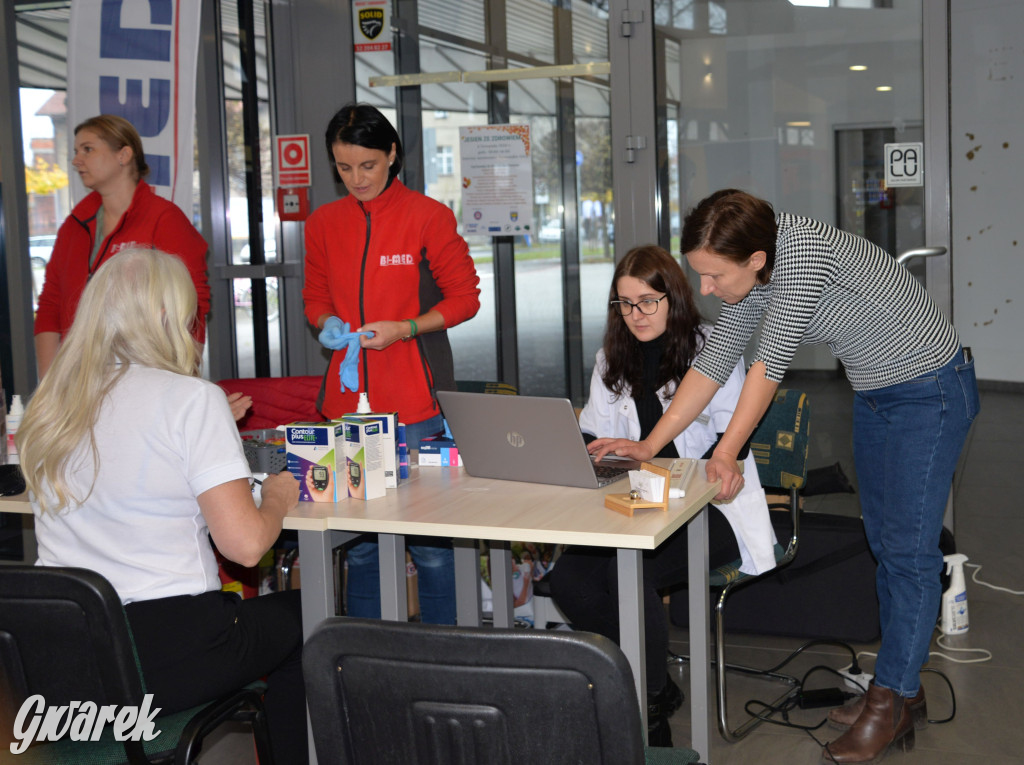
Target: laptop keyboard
[608,473]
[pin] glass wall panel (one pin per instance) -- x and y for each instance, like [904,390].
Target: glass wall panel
[473,341]
[596,212]
[765,91]
[464,20]
[42,53]
[538,258]
[239,152]
[531,29]
[589,31]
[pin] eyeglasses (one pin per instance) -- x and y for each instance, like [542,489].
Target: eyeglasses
[646,306]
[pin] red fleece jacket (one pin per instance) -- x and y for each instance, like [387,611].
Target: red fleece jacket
[373,261]
[150,221]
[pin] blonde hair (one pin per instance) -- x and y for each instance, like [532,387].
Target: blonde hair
[137,309]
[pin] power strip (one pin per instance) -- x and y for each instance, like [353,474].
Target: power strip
[858,683]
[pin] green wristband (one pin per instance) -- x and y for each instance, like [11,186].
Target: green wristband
[413,327]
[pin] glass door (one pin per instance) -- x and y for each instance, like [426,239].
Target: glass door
[795,104]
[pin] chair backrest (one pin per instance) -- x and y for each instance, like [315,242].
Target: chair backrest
[63,634]
[781,439]
[277,400]
[399,692]
[486,386]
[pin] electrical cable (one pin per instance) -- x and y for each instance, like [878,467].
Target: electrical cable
[986,654]
[952,696]
[974,578]
[766,712]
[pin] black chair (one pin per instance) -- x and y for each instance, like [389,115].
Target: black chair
[779,444]
[388,692]
[64,635]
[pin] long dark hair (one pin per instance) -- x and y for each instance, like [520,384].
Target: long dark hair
[735,225]
[363,125]
[683,336]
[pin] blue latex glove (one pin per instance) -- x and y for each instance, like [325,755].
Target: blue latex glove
[336,335]
[333,334]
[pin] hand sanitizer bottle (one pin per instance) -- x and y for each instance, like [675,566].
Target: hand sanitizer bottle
[954,600]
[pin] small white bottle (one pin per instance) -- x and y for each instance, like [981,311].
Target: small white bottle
[13,421]
[954,600]
[364,404]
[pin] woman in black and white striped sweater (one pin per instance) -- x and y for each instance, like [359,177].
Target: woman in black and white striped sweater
[915,398]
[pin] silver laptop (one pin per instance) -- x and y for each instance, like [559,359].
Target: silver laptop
[525,438]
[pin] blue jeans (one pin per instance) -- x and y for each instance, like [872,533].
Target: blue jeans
[434,559]
[907,440]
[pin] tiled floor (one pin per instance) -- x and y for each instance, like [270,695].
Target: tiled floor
[987,729]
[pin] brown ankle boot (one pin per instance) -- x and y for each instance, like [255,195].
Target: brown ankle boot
[885,723]
[841,718]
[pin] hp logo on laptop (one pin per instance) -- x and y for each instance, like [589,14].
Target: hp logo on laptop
[515,439]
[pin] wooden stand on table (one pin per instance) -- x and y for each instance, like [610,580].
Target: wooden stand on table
[621,503]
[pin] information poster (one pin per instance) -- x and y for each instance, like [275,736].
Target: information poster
[497,180]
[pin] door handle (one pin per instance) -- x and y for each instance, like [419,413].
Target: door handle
[920,252]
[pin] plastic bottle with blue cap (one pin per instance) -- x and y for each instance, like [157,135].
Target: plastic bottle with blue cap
[954,618]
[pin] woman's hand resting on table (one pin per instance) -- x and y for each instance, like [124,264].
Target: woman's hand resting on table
[724,467]
[280,491]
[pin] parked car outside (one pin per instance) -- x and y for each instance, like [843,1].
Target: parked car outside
[550,232]
[40,247]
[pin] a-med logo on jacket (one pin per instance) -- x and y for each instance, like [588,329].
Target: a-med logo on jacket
[402,259]
[118,246]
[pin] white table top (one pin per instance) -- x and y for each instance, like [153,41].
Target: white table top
[443,501]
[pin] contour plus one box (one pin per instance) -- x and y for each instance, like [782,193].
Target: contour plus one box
[363,467]
[389,443]
[315,457]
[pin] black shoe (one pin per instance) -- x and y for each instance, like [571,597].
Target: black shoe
[667,700]
[658,731]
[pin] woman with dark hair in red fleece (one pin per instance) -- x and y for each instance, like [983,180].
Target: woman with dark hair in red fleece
[387,261]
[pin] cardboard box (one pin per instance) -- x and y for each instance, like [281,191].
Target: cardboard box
[389,443]
[439,451]
[363,469]
[315,457]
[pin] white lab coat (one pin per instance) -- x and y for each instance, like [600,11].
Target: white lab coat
[611,416]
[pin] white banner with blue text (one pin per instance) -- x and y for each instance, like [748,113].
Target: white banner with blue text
[137,59]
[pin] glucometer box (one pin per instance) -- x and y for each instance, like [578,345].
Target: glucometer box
[440,450]
[363,448]
[314,455]
[389,443]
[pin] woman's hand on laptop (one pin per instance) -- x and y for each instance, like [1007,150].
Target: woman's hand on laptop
[620,447]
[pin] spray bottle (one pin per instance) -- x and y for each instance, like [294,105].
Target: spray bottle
[364,404]
[954,600]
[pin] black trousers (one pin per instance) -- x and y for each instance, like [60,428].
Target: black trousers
[584,584]
[196,649]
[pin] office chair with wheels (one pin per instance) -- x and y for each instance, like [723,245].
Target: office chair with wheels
[64,635]
[400,692]
[779,444]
